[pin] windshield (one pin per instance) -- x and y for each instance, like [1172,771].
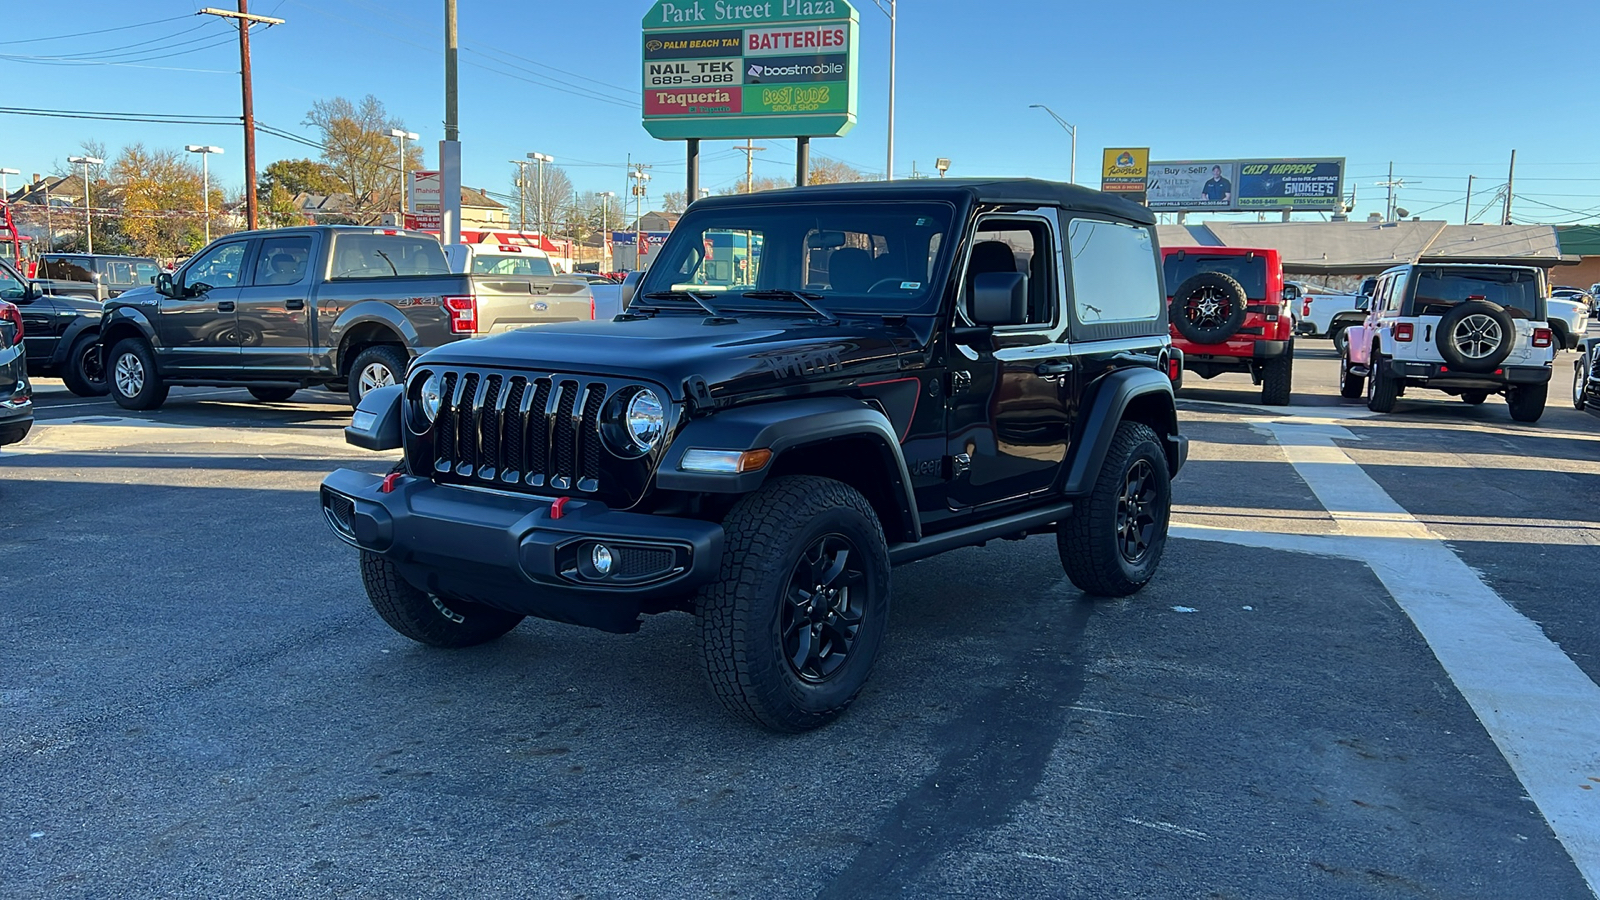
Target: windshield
[847,257]
[511,265]
[1515,289]
[1250,273]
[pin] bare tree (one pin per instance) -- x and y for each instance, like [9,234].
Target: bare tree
[361,156]
[832,171]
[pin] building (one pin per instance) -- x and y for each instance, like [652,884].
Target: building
[1583,242]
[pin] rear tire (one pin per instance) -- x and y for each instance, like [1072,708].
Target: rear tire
[1527,401]
[83,373]
[425,618]
[131,374]
[1382,388]
[1580,378]
[1277,378]
[272,394]
[1111,544]
[766,611]
[1350,386]
[376,366]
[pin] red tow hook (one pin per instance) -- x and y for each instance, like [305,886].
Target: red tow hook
[558,508]
[388,483]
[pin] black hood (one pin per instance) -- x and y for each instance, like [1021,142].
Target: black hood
[754,354]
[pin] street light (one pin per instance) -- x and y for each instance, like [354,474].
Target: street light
[5,191]
[942,164]
[1071,129]
[541,159]
[205,178]
[86,162]
[887,7]
[605,227]
[404,136]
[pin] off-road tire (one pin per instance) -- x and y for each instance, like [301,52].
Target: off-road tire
[1527,401]
[1445,331]
[1351,387]
[152,391]
[272,394]
[425,618]
[1088,539]
[1474,398]
[1580,380]
[387,355]
[1382,388]
[82,372]
[766,534]
[1228,290]
[1277,379]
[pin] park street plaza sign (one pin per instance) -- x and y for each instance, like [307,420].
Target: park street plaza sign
[735,69]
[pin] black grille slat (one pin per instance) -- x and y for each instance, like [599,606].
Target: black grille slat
[589,438]
[489,462]
[466,455]
[539,434]
[514,425]
[444,445]
[562,437]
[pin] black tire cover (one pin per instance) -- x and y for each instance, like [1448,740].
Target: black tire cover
[1204,327]
[1448,341]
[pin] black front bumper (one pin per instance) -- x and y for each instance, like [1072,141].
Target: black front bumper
[512,552]
[1440,375]
[16,420]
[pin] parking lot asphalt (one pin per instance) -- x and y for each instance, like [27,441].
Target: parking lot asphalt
[196,699]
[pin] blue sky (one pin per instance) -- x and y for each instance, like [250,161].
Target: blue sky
[1442,89]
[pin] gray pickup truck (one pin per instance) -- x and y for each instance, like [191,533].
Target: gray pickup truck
[341,306]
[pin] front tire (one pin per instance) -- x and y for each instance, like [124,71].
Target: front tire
[84,374]
[790,630]
[426,618]
[1350,386]
[1277,378]
[1382,388]
[131,373]
[1111,544]
[272,394]
[1580,378]
[1527,401]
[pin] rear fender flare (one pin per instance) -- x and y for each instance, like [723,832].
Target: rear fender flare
[1105,410]
[79,326]
[373,312]
[787,425]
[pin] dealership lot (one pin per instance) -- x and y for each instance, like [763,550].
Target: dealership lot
[197,699]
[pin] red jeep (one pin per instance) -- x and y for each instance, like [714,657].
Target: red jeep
[1227,313]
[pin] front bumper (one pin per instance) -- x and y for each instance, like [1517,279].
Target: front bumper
[514,553]
[1440,375]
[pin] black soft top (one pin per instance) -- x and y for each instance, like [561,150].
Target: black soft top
[960,191]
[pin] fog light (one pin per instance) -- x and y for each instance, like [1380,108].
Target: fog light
[601,557]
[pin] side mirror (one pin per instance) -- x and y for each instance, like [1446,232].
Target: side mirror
[1291,294]
[1000,298]
[630,286]
[1365,303]
[35,291]
[163,283]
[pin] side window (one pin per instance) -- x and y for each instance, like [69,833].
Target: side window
[1397,291]
[1380,295]
[11,287]
[283,260]
[386,256]
[60,268]
[145,273]
[118,272]
[219,267]
[1114,276]
[1015,245]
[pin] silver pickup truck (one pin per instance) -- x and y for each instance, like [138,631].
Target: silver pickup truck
[345,307]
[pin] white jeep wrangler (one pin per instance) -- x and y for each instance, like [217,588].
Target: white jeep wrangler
[1467,330]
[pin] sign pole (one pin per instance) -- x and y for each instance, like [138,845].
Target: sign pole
[692,189]
[802,160]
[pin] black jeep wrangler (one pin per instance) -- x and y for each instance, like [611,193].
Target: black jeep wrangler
[807,388]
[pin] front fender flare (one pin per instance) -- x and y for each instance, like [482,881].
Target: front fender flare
[119,319]
[784,425]
[1101,415]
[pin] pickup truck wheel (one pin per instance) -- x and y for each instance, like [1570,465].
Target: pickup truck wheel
[1382,388]
[1277,378]
[1527,401]
[132,376]
[375,367]
[1350,386]
[272,394]
[1112,542]
[790,630]
[1580,377]
[424,617]
[1473,398]
[1341,340]
[83,373]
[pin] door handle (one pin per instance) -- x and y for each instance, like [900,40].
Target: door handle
[294,304]
[1053,368]
[224,306]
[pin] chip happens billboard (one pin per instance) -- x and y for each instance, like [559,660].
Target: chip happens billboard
[1233,185]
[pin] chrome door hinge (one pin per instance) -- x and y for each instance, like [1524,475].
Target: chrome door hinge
[960,383]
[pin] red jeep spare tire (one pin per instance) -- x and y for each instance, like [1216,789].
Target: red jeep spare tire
[1208,308]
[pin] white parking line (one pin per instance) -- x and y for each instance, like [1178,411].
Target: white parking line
[1540,709]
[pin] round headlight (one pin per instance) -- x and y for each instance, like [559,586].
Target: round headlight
[432,396]
[645,420]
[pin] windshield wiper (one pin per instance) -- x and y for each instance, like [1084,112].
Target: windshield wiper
[806,297]
[691,295]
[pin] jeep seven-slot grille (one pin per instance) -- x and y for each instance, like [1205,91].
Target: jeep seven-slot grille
[519,431]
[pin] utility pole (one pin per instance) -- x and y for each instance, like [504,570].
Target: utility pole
[522,192]
[1511,178]
[605,227]
[887,7]
[450,147]
[244,20]
[1466,214]
[1391,184]
[749,150]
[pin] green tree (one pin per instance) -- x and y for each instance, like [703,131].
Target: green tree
[361,156]
[298,176]
[161,201]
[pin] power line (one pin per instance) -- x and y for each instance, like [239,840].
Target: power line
[62,37]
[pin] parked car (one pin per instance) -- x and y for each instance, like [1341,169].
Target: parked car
[282,309]
[1317,312]
[1586,377]
[1569,318]
[905,372]
[1227,310]
[97,277]
[16,394]
[1575,295]
[1467,330]
[63,334]
[498,259]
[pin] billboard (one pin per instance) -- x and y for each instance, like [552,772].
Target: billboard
[770,69]
[425,192]
[1124,170]
[1242,185]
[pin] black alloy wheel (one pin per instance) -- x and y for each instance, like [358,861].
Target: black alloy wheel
[1138,512]
[825,602]
[84,374]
